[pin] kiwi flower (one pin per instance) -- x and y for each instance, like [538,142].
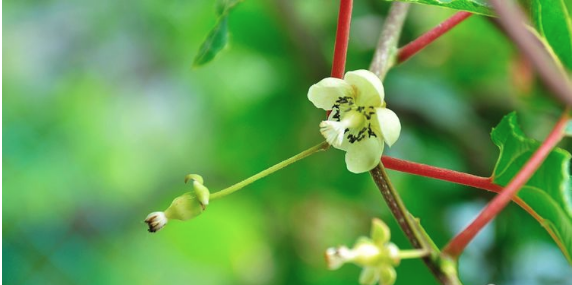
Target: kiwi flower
[359,122]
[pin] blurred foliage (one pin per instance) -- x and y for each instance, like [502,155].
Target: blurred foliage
[103,116]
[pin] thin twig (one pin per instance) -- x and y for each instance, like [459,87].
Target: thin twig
[384,56]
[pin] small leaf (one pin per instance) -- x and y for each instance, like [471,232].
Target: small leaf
[548,192]
[224,6]
[214,43]
[218,36]
[552,20]
[473,6]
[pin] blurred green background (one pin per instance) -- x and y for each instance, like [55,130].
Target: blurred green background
[103,116]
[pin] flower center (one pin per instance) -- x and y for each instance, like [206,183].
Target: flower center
[356,119]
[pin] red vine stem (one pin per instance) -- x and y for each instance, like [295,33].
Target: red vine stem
[459,242]
[479,182]
[342,38]
[421,42]
[440,173]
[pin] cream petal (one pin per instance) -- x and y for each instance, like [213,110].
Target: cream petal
[380,232]
[364,155]
[389,125]
[333,132]
[325,93]
[387,275]
[369,275]
[369,87]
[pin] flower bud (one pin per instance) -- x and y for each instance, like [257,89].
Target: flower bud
[377,255]
[184,207]
[156,221]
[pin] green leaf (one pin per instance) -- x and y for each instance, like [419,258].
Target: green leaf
[214,43]
[217,38]
[224,6]
[552,20]
[473,6]
[548,192]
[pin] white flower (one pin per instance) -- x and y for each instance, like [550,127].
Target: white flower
[359,122]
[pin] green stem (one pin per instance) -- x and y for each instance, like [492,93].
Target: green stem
[270,170]
[413,253]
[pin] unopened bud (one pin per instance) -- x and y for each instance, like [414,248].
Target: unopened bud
[184,207]
[156,221]
[377,255]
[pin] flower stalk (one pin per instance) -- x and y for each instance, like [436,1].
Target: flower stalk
[229,190]
[192,204]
